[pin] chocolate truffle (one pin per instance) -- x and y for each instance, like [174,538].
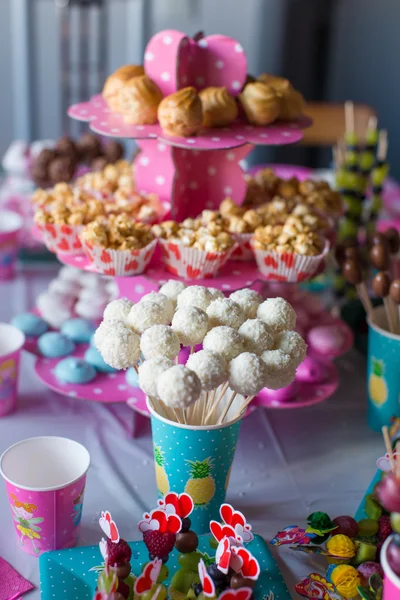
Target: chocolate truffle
[238,581]
[381,284]
[352,271]
[379,256]
[89,147]
[377,238]
[61,169]
[393,238]
[44,157]
[394,291]
[186,541]
[99,163]
[65,146]
[113,151]
[39,174]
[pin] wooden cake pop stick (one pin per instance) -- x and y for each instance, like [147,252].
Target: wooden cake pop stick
[381,286]
[227,407]
[352,273]
[394,294]
[217,401]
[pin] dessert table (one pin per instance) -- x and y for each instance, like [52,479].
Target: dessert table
[288,463]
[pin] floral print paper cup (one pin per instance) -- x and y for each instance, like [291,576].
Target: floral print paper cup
[196,460]
[11,342]
[45,481]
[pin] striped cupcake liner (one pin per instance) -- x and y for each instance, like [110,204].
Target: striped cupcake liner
[191,263]
[243,251]
[119,263]
[61,239]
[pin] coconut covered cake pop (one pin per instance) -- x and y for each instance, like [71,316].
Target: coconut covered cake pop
[146,314]
[224,340]
[159,340]
[194,295]
[118,345]
[210,367]
[247,374]
[224,311]
[149,371]
[248,300]
[215,293]
[172,288]
[190,324]
[278,314]
[163,301]
[118,309]
[291,343]
[178,387]
[257,336]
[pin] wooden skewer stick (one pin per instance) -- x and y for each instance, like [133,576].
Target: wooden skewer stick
[227,407]
[372,123]
[349,116]
[382,145]
[210,402]
[389,314]
[136,368]
[177,416]
[217,401]
[365,299]
[388,444]
[244,406]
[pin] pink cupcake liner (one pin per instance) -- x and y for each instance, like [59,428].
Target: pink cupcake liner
[243,250]
[287,266]
[191,263]
[119,263]
[61,238]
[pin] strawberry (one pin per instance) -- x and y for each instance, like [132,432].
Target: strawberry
[118,553]
[159,543]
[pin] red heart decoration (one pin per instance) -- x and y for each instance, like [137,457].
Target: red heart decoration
[225,558]
[65,229]
[63,246]
[212,255]
[220,531]
[132,266]
[175,250]
[192,273]
[244,593]
[164,252]
[183,503]
[109,272]
[205,579]
[51,229]
[172,270]
[174,524]
[77,244]
[288,259]
[231,516]
[135,252]
[250,568]
[105,257]
[143,584]
[269,261]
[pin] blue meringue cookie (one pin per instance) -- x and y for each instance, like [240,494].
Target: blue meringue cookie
[31,325]
[94,358]
[54,344]
[78,330]
[74,370]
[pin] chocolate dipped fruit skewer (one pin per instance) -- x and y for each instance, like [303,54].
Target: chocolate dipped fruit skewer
[393,239]
[379,256]
[381,287]
[394,293]
[353,273]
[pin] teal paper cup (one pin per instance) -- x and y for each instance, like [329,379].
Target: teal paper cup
[383,372]
[195,460]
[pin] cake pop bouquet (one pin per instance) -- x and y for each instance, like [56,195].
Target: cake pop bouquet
[247,344]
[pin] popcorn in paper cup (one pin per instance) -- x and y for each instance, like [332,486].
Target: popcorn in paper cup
[119,263]
[192,263]
[289,266]
[61,238]
[243,250]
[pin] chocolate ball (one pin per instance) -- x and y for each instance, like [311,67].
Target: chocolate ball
[186,542]
[89,147]
[379,256]
[352,271]
[238,581]
[377,238]
[122,571]
[394,291]
[113,151]
[65,146]
[381,284]
[44,157]
[393,238]
[99,163]
[61,169]
[39,174]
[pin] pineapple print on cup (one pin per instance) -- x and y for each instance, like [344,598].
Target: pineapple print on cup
[161,475]
[377,387]
[201,485]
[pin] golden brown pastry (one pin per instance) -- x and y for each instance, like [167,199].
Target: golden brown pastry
[138,101]
[260,103]
[116,81]
[219,107]
[291,101]
[181,113]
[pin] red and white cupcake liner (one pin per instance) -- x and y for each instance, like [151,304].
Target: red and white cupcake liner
[287,266]
[191,263]
[119,263]
[243,250]
[61,238]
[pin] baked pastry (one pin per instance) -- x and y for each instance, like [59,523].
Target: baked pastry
[181,113]
[117,80]
[138,101]
[219,107]
[260,103]
[290,100]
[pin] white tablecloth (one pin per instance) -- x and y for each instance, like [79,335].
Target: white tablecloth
[288,463]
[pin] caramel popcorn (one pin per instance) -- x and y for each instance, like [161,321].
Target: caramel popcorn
[109,180]
[283,238]
[118,232]
[195,233]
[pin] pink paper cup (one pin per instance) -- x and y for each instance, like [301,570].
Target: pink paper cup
[391,583]
[11,342]
[45,481]
[11,224]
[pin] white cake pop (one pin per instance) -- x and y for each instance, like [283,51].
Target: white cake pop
[118,345]
[224,340]
[281,380]
[149,371]
[210,367]
[224,311]
[146,314]
[89,310]
[166,303]
[248,300]
[68,274]
[277,362]
[159,340]
[247,374]
[54,309]
[64,287]
[172,289]
[100,296]
[215,293]
[257,336]
[178,387]
[118,309]
[92,280]
[190,325]
[278,314]
[194,295]
[291,343]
